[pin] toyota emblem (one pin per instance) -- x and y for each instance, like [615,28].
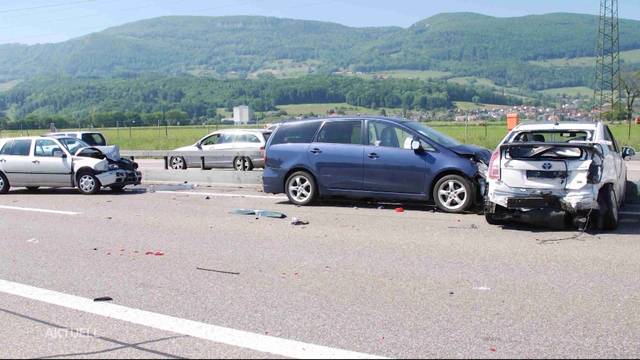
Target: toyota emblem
[547,166]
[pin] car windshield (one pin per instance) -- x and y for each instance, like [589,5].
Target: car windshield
[73,145]
[433,135]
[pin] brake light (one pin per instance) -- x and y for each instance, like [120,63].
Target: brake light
[494,166]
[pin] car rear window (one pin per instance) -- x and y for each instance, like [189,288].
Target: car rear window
[296,133]
[17,148]
[94,139]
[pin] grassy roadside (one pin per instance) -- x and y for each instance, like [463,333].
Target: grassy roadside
[153,138]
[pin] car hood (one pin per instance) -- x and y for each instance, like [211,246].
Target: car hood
[111,152]
[477,152]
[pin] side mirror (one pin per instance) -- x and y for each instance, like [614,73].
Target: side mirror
[416,145]
[199,145]
[59,154]
[628,152]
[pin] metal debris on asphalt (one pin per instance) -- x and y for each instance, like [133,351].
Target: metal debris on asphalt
[218,271]
[296,221]
[103,299]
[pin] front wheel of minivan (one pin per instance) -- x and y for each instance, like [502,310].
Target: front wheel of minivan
[301,188]
[453,194]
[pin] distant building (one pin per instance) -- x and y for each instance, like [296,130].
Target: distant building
[241,115]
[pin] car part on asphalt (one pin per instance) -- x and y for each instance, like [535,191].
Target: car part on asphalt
[103,299]
[218,271]
[259,213]
[297,222]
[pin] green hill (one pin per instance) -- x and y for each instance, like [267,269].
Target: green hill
[509,51]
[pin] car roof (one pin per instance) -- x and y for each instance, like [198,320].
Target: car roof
[557,126]
[346,118]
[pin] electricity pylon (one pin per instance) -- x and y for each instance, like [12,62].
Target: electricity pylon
[608,89]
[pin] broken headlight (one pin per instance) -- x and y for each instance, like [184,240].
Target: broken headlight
[595,173]
[113,167]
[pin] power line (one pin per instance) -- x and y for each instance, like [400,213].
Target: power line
[45,6]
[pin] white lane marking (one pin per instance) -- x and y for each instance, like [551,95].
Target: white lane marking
[39,210]
[242,339]
[636,213]
[224,195]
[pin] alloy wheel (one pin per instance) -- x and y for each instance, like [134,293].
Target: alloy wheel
[87,183]
[452,194]
[300,188]
[177,163]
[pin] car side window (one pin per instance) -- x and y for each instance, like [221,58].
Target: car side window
[388,135]
[227,139]
[21,148]
[253,139]
[300,133]
[6,149]
[94,139]
[608,136]
[46,148]
[211,140]
[341,132]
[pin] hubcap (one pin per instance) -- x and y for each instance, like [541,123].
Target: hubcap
[452,194]
[1,182]
[239,163]
[300,188]
[177,164]
[87,183]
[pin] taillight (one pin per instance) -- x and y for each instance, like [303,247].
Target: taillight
[494,166]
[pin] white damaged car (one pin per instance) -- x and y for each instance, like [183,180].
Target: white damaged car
[566,174]
[34,162]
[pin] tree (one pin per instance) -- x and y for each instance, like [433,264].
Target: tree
[631,86]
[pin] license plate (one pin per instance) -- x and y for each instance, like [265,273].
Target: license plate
[546,174]
[531,202]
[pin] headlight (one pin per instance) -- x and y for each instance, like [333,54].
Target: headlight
[113,167]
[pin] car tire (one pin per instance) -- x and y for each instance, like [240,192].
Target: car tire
[117,188]
[33,188]
[301,188]
[177,163]
[609,211]
[4,184]
[447,194]
[492,219]
[248,164]
[238,164]
[88,183]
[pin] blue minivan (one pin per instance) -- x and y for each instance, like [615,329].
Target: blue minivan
[373,158]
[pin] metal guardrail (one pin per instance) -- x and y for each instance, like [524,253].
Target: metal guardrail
[202,155]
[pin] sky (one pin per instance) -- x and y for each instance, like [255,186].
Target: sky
[47,21]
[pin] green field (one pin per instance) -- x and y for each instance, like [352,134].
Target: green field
[406,74]
[147,138]
[631,56]
[582,91]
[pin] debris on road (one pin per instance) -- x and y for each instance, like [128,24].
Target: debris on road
[103,299]
[33,241]
[259,213]
[399,210]
[295,221]
[482,288]
[472,227]
[218,271]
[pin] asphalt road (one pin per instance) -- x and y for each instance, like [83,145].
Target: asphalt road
[356,278]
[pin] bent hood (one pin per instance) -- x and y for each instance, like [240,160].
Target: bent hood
[477,152]
[111,152]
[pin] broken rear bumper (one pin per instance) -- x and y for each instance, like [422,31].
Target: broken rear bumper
[572,201]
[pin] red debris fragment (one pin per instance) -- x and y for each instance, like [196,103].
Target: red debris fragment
[493,349]
[399,210]
[159,253]
[149,253]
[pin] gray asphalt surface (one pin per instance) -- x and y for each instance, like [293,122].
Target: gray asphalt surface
[412,284]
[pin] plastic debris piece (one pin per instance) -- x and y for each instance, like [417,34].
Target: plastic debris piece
[493,349]
[296,221]
[103,299]
[218,271]
[399,210]
[259,213]
[159,253]
[207,198]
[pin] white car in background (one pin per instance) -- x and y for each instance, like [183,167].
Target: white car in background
[34,162]
[576,171]
[93,138]
[252,142]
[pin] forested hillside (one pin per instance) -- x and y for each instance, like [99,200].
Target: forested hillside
[464,44]
[102,102]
